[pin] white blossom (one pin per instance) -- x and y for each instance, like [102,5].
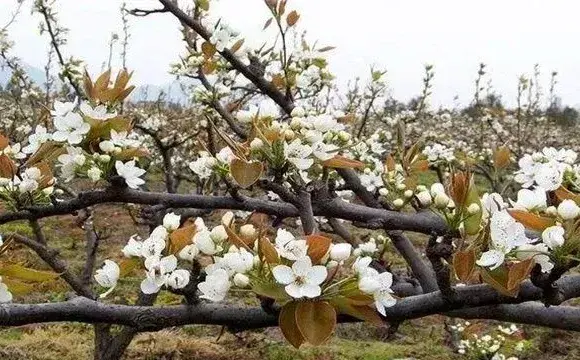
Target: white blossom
[302,279]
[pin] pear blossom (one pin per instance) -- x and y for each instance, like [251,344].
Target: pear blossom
[568,209]
[298,154]
[98,112]
[340,252]
[506,234]
[39,137]
[302,279]
[553,236]
[133,247]
[94,173]
[492,203]
[107,276]
[216,286]
[171,221]
[204,242]
[379,285]
[158,273]
[203,166]
[531,199]
[131,173]
[178,279]
[189,252]
[62,108]
[240,261]
[361,267]
[73,159]
[288,247]
[70,128]
[241,280]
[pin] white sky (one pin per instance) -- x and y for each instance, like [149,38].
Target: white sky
[398,35]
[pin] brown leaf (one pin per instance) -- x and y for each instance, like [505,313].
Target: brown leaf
[464,264]
[7,167]
[4,142]
[235,239]
[501,157]
[459,187]
[208,49]
[208,67]
[127,265]
[102,82]
[267,23]
[362,312]
[498,279]
[318,246]
[287,323]
[326,48]
[47,152]
[390,163]
[267,251]
[292,18]
[180,238]
[237,46]
[340,162]
[244,172]
[316,321]
[564,194]
[518,272]
[532,221]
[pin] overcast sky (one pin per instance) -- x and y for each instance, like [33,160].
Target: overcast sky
[397,35]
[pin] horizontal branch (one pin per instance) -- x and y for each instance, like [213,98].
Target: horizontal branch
[421,222]
[149,318]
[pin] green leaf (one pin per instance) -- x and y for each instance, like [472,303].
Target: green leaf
[23,273]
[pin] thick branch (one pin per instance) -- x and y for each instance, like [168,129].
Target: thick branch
[147,318]
[421,222]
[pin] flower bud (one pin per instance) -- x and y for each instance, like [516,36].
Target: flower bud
[218,234]
[340,252]
[424,198]
[94,174]
[441,200]
[383,191]
[104,158]
[401,186]
[107,146]
[421,188]
[228,218]
[398,203]
[171,221]
[553,236]
[437,188]
[408,194]
[551,210]
[241,280]
[568,209]
[256,144]
[248,232]
[295,123]
[48,190]
[473,209]
[298,111]
[343,135]
[289,135]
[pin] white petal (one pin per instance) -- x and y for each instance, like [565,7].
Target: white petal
[316,275]
[294,290]
[302,266]
[310,291]
[493,258]
[148,286]
[283,274]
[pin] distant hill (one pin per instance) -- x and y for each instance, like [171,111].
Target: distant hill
[36,74]
[171,90]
